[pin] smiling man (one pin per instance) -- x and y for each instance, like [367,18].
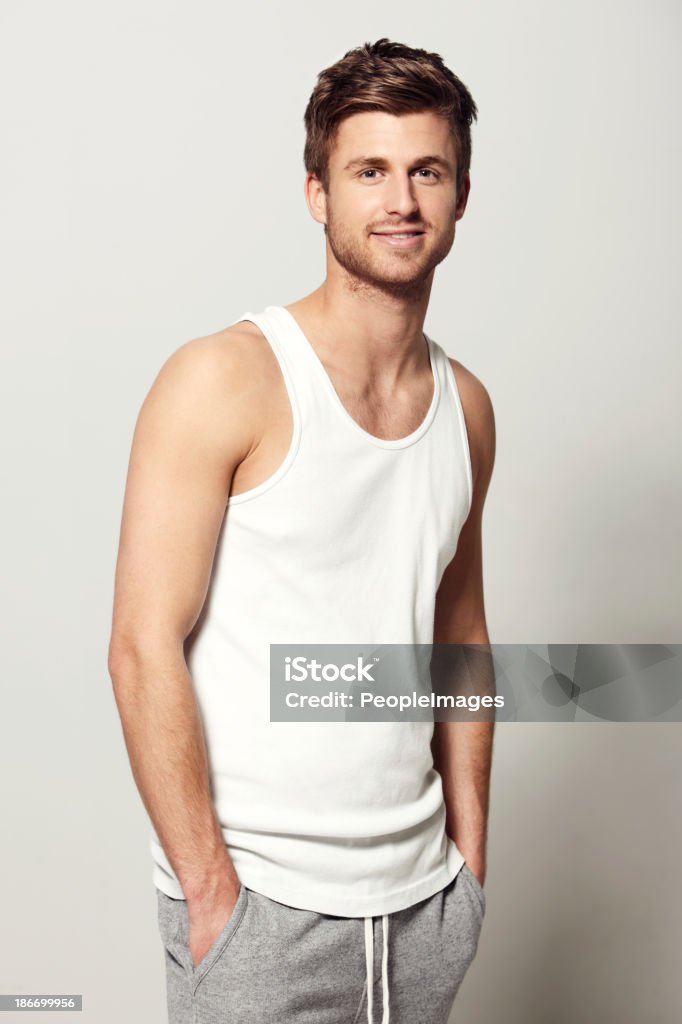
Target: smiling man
[315,473]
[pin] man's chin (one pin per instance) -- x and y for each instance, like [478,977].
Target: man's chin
[397,271]
[396,285]
[400,275]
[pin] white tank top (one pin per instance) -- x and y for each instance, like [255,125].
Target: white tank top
[345,543]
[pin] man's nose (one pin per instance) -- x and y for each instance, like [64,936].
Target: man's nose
[399,196]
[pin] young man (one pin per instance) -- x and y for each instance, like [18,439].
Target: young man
[316,473]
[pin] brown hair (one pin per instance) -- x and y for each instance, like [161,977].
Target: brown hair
[393,78]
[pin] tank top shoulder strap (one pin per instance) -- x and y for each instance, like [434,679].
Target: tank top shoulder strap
[452,421]
[442,363]
[291,353]
[296,357]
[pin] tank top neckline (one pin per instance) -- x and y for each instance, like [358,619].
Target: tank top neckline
[399,442]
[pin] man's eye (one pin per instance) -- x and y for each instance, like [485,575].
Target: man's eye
[421,171]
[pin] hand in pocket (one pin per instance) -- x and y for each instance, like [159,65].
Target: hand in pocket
[207,921]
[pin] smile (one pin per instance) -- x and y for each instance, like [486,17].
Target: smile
[400,239]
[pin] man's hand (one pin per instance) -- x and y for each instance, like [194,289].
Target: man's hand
[208,915]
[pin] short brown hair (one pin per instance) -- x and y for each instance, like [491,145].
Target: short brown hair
[393,78]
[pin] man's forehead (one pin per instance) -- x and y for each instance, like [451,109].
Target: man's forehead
[375,131]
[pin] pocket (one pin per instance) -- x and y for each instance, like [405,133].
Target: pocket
[174,926]
[475,885]
[462,924]
[169,909]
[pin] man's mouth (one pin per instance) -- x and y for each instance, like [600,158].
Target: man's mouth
[400,239]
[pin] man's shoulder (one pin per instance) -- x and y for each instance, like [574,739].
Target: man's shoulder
[468,381]
[239,346]
[221,383]
[236,361]
[479,417]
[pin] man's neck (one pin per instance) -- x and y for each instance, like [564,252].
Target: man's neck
[366,334]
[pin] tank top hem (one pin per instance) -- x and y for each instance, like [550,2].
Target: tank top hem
[309,896]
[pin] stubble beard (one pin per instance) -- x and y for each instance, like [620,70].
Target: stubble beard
[409,274]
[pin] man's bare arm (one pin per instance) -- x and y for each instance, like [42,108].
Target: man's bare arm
[195,426]
[462,751]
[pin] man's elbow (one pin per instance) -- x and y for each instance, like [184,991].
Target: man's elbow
[122,658]
[134,657]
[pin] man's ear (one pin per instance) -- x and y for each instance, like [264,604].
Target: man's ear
[316,198]
[463,196]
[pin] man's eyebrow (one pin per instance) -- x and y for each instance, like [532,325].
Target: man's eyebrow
[381,162]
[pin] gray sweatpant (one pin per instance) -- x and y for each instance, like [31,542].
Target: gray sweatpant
[276,964]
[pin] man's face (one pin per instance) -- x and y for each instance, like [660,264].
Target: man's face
[388,176]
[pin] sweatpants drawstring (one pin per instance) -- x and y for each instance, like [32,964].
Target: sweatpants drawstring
[369,959]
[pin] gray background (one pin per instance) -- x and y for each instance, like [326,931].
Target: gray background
[152,191]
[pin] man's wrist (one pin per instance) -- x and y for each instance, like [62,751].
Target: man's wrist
[475,858]
[210,881]
[478,868]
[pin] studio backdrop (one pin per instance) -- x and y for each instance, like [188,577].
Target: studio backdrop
[152,191]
